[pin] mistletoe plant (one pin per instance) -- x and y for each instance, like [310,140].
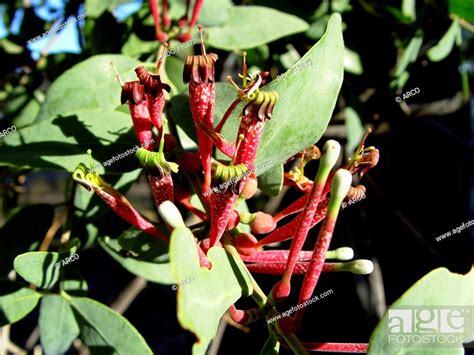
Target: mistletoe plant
[222,185]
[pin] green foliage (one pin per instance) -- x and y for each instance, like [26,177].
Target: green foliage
[268,25]
[271,181]
[43,268]
[104,330]
[438,288]
[16,302]
[151,271]
[203,301]
[88,85]
[446,44]
[57,325]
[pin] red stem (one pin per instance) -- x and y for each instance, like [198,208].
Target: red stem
[164,15]
[354,348]
[317,263]
[160,36]
[196,11]
[287,231]
[277,268]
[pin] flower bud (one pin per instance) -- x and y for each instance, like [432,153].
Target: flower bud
[170,214]
[250,188]
[245,243]
[262,223]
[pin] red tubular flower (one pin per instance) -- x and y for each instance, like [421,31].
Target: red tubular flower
[199,72]
[183,21]
[154,90]
[164,15]
[341,184]
[354,348]
[280,256]
[184,37]
[287,231]
[160,36]
[134,93]
[183,196]
[115,200]
[329,158]
[223,197]
[358,267]
[159,173]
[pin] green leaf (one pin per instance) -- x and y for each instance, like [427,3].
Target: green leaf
[214,12]
[155,272]
[354,128]
[42,268]
[134,46]
[23,232]
[57,325]
[352,62]
[174,68]
[439,288]
[105,331]
[267,25]
[16,302]
[271,181]
[74,284]
[446,43]
[87,85]
[462,8]
[11,47]
[409,9]
[409,55]
[289,58]
[62,142]
[143,246]
[303,110]
[95,8]
[203,301]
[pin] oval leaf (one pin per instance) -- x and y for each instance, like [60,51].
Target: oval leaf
[446,43]
[105,331]
[62,142]
[267,25]
[16,302]
[57,325]
[204,295]
[159,273]
[42,268]
[89,84]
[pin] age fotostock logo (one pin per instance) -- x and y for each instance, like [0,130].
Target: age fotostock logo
[445,326]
